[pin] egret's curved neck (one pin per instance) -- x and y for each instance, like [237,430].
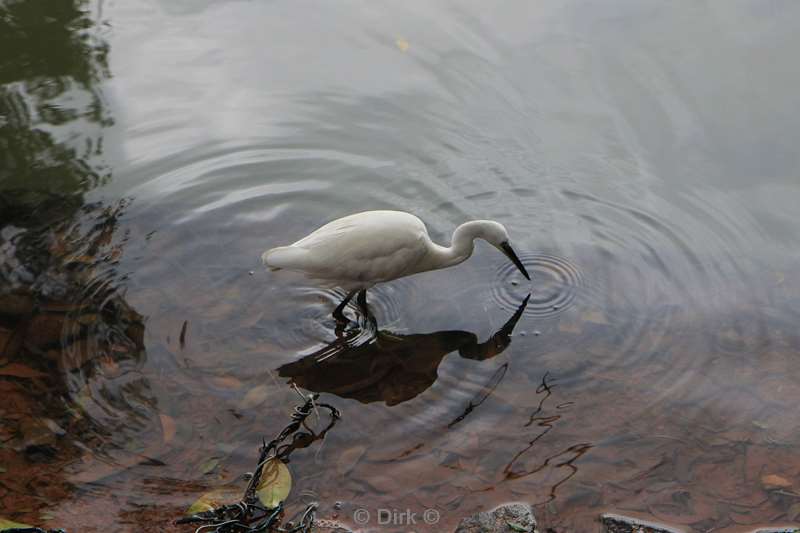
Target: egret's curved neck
[461,246]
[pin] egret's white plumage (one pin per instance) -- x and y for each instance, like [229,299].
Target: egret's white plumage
[357,251]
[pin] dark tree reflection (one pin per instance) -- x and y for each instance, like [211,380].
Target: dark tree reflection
[51,108]
[70,345]
[55,248]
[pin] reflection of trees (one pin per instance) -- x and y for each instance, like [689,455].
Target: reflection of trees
[52,114]
[66,331]
[51,62]
[51,118]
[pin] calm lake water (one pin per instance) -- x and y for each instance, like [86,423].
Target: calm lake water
[643,156]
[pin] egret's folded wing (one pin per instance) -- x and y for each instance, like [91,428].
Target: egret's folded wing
[331,234]
[356,248]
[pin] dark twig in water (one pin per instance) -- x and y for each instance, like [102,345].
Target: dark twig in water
[182,338]
[557,460]
[547,389]
[481,397]
[251,516]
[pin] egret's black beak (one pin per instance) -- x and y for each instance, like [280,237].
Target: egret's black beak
[509,251]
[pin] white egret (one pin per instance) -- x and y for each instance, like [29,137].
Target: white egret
[357,251]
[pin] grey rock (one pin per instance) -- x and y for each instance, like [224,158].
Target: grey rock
[329,526]
[331,529]
[508,518]
[615,523]
[778,530]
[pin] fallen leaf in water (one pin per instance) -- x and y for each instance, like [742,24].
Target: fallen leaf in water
[168,428]
[402,44]
[19,370]
[254,397]
[215,498]
[569,327]
[793,513]
[84,259]
[595,317]
[109,366]
[349,459]
[774,481]
[36,432]
[275,483]
[226,382]
[517,527]
[9,524]
[209,465]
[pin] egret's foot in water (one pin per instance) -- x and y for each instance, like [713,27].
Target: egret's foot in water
[341,328]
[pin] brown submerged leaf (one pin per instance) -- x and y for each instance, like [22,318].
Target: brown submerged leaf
[254,397]
[349,458]
[774,481]
[168,428]
[226,382]
[19,370]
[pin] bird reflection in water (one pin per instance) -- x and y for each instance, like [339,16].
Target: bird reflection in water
[389,367]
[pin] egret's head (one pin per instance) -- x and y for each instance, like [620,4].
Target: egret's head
[495,234]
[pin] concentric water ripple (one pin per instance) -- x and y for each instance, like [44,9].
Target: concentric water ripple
[556,284]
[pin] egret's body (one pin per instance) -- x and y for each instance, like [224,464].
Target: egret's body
[357,251]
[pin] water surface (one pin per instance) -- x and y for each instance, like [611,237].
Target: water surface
[642,156]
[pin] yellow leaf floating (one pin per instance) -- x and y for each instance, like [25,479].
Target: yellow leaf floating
[9,524]
[402,44]
[215,498]
[275,483]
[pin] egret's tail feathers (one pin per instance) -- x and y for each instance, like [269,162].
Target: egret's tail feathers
[288,257]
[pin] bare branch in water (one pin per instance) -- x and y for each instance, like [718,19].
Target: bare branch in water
[250,515]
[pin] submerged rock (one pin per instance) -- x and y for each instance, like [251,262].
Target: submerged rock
[508,518]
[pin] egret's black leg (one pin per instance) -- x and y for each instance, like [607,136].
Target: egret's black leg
[338,313]
[362,301]
[362,304]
